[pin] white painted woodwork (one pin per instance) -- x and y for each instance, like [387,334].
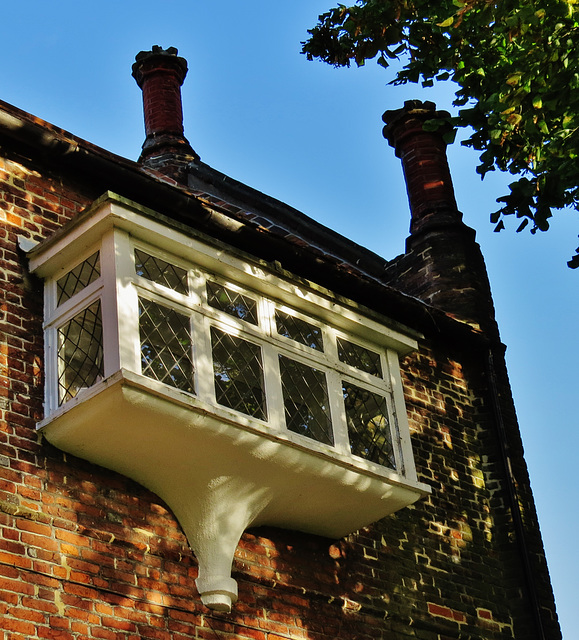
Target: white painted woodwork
[220,471]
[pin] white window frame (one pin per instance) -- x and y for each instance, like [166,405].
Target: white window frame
[119,289]
[57,316]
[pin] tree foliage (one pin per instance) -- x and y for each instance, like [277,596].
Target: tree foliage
[516,65]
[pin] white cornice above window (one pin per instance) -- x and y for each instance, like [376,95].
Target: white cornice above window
[240,397]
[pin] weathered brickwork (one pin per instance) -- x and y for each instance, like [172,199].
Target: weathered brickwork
[86,553]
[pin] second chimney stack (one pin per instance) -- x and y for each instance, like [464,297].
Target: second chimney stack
[423,155]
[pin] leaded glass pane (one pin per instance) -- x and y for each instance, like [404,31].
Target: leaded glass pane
[359,357]
[166,345]
[299,330]
[161,272]
[77,279]
[80,352]
[368,427]
[232,302]
[238,373]
[305,395]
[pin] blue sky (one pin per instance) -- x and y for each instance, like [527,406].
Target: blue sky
[310,135]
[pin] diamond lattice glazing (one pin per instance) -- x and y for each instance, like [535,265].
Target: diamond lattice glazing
[359,357]
[305,394]
[232,302]
[299,330]
[238,374]
[161,272]
[166,345]
[368,427]
[80,352]
[78,278]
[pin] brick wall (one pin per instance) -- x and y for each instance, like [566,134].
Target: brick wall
[86,553]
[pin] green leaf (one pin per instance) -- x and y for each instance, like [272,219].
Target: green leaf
[446,23]
[450,136]
[523,224]
[513,79]
[543,128]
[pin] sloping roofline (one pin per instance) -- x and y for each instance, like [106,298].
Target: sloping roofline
[234,213]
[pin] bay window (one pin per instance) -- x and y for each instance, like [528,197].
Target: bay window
[325,386]
[239,395]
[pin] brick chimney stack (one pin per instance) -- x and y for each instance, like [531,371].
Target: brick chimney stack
[443,264]
[423,155]
[160,74]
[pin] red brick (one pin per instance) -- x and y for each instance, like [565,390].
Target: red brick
[19,626]
[16,586]
[54,634]
[437,610]
[28,614]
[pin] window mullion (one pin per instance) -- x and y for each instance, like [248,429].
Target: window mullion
[126,302]
[109,302]
[330,348]
[203,358]
[334,377]
[337,413]
[400,427]
[50,348]
[266,310]
[51,369]
[273,388]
